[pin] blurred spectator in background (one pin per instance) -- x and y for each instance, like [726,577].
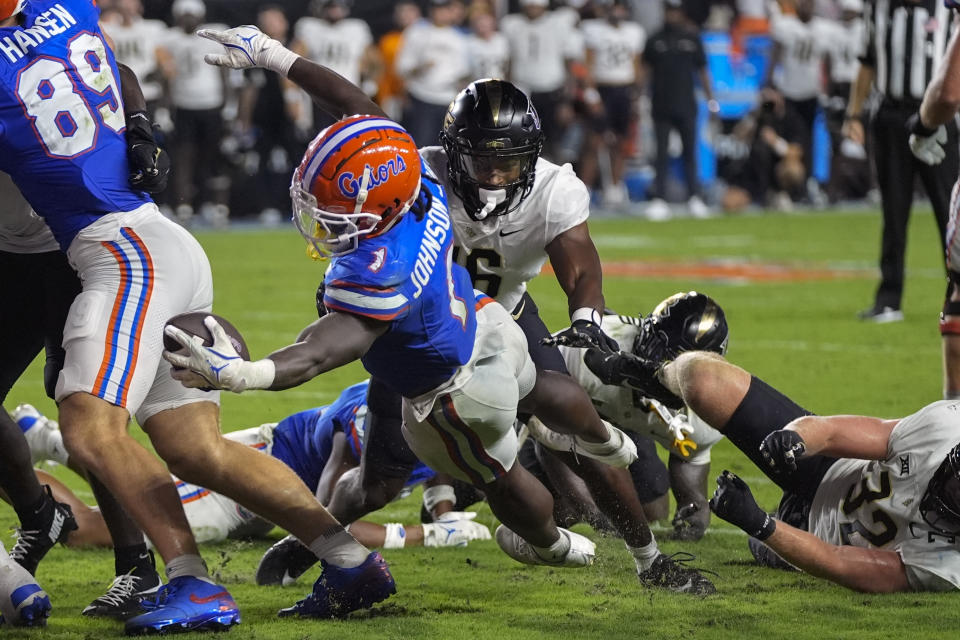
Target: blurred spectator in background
[269,109]
[849,168]
[487,49]
[542,43]
[773,166]
[672,59]
[433,64]
[197,95]
[330,37]
[613,45]
[135,43]
[751,19]
[391,95]
[800,46]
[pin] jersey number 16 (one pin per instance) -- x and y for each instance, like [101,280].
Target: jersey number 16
[65,121]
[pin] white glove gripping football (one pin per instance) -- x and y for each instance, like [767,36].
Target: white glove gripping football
[679,427]
[929,149]
[247,47]
[218,366]
[454,529]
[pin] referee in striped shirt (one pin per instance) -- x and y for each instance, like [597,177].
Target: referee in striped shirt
[904,42]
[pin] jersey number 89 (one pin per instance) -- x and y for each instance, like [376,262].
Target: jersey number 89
[59,113]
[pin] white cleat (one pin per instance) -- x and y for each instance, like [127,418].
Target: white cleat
[619,451]
[658,210]
[42,434]
[22,601]
[581,554]
[697,207]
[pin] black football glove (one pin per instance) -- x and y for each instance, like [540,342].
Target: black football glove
[582,334]
[149,164]
[781,449]
[321,308]
[626,369]
[733,502]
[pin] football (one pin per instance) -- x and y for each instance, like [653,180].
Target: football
[192,323]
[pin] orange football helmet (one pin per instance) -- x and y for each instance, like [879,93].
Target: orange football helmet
[9,8]
[356,179]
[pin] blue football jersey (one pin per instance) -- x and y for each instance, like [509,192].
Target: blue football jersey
[304,440]
[406,277]
[61,117]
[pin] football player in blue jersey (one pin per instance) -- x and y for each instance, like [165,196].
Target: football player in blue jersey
[62,140]
[363,197]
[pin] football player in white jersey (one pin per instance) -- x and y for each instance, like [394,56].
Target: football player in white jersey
[613,47]
[868,503]
[487,49]
[682,322]
[135,43]
[543,43]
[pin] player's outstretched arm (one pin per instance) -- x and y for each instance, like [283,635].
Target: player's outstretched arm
[859,437]
[871,570]
[857,568]
[247,47]
[942,97]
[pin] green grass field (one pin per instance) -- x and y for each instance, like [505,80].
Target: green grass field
[790,285]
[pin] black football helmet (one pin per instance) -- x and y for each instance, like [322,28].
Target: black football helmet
[940,504]
[492,137]
[683,322]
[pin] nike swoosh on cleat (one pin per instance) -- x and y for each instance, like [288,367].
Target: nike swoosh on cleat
[198,600]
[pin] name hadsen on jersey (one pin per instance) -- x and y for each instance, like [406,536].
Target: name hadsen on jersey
[50,23]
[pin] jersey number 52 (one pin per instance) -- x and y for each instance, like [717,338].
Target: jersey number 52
[62,117]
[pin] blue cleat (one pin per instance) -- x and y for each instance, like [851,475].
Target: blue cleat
[186,604]
[339,591]
[22,601]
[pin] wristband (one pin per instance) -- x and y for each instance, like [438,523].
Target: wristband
[278,59]
[395,536]
[587,314]
[257,375]
[766,529]
[915,125]
[432,496]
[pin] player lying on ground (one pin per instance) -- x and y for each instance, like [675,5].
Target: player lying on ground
[682,322]
[318,444]
[868,503]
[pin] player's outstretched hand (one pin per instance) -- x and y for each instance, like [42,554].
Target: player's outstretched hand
[218,366]
[245,47]
[926,144]
[454,529]
[782,448]
[733,502]
[582,334]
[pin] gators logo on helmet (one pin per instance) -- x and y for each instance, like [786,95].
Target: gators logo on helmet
[356,179]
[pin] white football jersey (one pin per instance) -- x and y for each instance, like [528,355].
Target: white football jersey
[21,230]
[845,40]
[196,85]
[488,58]
[875,503]
[433,62]
[503,253]
[135,45]
[339,46]
[540,48]
[615,49]
[627,410]
[804,45]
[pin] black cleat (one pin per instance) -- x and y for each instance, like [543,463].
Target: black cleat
[669,572]
[284,562]
[33,544]
[124,597]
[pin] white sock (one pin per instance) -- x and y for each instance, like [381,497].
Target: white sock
[555,552]
[188,565]
[644,556]
[340,549]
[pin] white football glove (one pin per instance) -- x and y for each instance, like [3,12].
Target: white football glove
[679,427]
[218,366]
[454,529]
[929,149]
[248,47]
